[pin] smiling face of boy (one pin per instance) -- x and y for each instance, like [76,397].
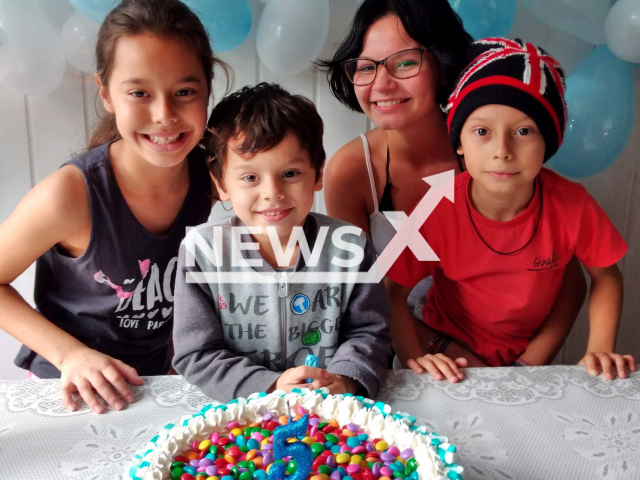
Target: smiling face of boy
[503,150]
[271,188]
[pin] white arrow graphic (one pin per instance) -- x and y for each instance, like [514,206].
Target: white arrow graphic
[408,233]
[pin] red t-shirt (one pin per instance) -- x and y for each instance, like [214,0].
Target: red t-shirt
[494,303]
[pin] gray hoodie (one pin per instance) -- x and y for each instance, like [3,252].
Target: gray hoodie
[233,339]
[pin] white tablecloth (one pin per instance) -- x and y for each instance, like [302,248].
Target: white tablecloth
[508,423]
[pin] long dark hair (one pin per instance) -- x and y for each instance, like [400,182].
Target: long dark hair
[163,18]
[431,23]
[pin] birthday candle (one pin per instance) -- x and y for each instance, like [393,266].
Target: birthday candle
[311,361]
[300,451]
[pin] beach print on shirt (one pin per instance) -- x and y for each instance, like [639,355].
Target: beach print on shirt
[149,305]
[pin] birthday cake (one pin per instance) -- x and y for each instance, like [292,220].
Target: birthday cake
[296,436]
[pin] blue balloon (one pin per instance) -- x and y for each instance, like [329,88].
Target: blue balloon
[96,10]
[227,21]
[600,104]
[486,18]
[584,19]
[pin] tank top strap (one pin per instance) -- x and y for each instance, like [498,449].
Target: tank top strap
[372,182]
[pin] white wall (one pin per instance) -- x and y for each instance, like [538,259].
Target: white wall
[39,134]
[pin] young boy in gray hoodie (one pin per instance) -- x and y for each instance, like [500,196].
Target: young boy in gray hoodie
[245,321]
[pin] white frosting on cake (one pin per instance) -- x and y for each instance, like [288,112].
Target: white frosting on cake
[156,460]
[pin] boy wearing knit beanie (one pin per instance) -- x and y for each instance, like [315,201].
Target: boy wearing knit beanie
[505,242]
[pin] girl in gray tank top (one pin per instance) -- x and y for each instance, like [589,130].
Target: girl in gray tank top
[117,297]
[105,229]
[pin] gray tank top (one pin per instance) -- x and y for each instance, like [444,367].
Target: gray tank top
[117,297]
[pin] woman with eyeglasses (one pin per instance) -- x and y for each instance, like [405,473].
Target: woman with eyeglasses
[397,65]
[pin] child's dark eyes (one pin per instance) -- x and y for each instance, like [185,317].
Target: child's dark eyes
[521,131]
[287,175]
[290,174]
[180,93]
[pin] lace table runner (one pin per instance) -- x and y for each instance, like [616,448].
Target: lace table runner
[508,423]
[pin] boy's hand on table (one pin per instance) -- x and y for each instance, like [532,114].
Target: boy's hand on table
[341,384]
[84,369]
[610,364]
[297,378]
[439,366]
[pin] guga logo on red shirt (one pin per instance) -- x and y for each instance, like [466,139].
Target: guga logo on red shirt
[546,263]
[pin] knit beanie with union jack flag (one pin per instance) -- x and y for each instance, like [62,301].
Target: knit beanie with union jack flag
[516,74]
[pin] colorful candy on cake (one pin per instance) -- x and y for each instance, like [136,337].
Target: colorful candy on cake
[303,435]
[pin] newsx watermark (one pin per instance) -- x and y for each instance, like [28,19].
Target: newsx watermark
[408,235]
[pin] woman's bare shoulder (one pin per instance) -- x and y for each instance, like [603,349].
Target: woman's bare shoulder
[346,166]
[346,185]
[349,161]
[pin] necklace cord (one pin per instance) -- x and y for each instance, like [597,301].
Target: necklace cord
[535,231]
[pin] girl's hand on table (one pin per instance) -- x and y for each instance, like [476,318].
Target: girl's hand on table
[439,367]
[85,369]
[607,361]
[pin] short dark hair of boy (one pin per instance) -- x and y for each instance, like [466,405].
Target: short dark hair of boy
[263,115]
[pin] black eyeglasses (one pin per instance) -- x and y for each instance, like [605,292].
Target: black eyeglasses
[402,64]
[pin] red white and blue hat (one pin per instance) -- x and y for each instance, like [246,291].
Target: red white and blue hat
[516,74]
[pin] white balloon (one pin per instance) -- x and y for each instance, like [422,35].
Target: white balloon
[5,54]
[622,30]
[38,64]
[581,18]
[291,34]
[56,11]
[78,37]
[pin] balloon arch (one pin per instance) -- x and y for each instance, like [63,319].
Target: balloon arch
[290,35]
